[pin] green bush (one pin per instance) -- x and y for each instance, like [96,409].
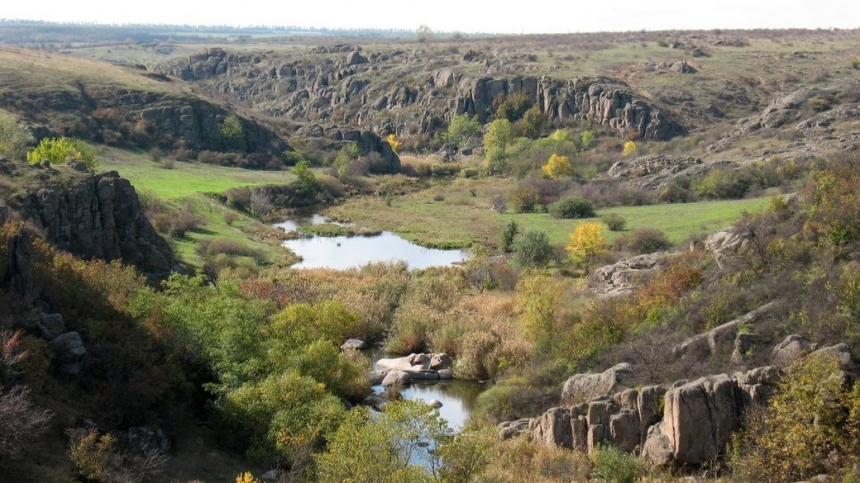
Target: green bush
[461,128]
[532,249]
[61,150]
[615,466]
[614,221]
[572,207]
[644,240]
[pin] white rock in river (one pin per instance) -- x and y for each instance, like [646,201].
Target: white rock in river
[434,403]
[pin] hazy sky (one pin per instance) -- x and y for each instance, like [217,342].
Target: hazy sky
[535,16]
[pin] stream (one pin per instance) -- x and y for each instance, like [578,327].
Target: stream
[341,252]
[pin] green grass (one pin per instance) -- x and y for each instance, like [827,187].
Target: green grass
[460,220]
[678,221]
[184,178]
[185,186]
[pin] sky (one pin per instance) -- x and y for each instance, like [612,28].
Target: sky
[499,16]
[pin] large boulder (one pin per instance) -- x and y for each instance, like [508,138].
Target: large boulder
[699,417]
[789,350]
[554,428]
[586,387]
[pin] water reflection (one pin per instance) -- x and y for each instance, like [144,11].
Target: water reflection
[351,252]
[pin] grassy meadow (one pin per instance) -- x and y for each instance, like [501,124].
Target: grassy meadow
[457,214]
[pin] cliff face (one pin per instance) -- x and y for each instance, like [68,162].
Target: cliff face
[406,93]
[89,215]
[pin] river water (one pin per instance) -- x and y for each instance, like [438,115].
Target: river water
[344,252]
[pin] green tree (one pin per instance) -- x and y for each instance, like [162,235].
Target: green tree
[306,183]
[587,139]
[586,244]
[61,150]
[461,128]
[14,137]
[500,134]
[400,445]
[509,234]
[532,122]
[532,249]
[286,417]
[232,131]
[538,297]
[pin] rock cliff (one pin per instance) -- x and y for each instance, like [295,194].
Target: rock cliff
[90,215]
[408,92]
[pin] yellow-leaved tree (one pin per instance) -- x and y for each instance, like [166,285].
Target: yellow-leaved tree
[557,167]
[394,142]
[586,244]
[630,147]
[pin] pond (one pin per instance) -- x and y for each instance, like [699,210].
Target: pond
[342,252]
[458,398]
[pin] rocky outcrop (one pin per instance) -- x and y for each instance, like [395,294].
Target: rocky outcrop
[623,276]
[586,387]
[656,172]
[603,101]
[720,339]
[402,371]
[360,88]
[688,424]
[90,215]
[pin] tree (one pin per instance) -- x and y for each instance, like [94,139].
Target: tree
[532,122]
[586,243]
[630,148]
[423,33]
[61,150]
[232,131]
[532,250]
[587,139]
[399,445]
[461,128]
[393,142]
[306,182]
[14,137]
[509,234]
[538,297]
[500,134]
[557,167]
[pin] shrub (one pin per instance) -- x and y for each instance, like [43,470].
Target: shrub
[14,137]
[509,234]
[572,207]
[61,150]
[461,128]
[532,249]
[232,131]
[183,222]
[615,466]
[21,422]
[812,423]
[614,221]
[524,198]
[644,240]
[587,139]
[630,148]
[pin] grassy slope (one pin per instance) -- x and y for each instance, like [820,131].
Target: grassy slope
[184,186]
[460,219]
[184,178]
